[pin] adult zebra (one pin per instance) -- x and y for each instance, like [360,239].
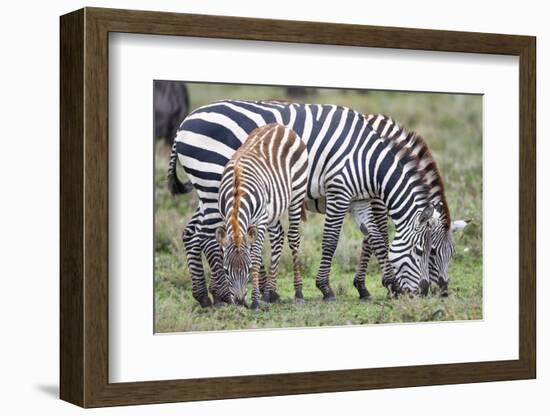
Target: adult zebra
[263,180]
[348,161]
[374,212]
[371,215]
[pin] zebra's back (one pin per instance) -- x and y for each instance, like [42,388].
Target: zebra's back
[208,138]
[266,171]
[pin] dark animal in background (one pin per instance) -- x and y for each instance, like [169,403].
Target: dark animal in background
[171,101]
[304,92]
[300,92]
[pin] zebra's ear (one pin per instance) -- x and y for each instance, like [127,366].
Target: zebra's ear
[459,225]
[251,234]
[426,215]
[221,236]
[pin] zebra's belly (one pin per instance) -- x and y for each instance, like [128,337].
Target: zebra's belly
[319,205]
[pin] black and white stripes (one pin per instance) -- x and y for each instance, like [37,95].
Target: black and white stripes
[348,161]
[264,179]
[373,211]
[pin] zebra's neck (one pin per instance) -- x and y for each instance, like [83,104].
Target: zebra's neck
[428,169]
[397,181]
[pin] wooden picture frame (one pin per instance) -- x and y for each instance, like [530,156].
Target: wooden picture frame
[84,207]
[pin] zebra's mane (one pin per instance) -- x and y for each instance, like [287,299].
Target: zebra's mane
[418,151]
[237,184]
[237,194]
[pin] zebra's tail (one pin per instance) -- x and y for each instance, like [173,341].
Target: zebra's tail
[175,186]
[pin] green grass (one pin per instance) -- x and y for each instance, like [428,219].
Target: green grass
[451,124]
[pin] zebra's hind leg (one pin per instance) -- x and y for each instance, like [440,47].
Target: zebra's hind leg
[337,206]
[361,271]
[193,250]
[276,238]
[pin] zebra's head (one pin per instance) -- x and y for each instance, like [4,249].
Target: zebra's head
[409,254]
[237,259]
[443,248]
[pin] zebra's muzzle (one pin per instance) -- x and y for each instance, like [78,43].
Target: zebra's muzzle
[443,288]
[424,287]
[241,301]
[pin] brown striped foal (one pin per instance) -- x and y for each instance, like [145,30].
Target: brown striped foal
[265,178]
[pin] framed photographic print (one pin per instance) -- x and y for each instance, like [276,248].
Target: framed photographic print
[255,207]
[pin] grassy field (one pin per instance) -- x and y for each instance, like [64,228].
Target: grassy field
[452,126]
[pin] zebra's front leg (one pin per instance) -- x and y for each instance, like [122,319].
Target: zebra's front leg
[276,239]
[361,271]
[372,217]
[193,251]
[378,239]
[263,277]
[256,259]
[294,216]
[337,207]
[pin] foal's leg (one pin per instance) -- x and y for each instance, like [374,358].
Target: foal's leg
[255,269]
[276,238]
[262,279]
[294,216]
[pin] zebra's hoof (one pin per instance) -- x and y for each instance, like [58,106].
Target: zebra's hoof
[393,291]
[205,301]
[328,294]
[263,305]
[274,297]
[219,302]
[299,301]
[363,292]
[266,297]
[255,306]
